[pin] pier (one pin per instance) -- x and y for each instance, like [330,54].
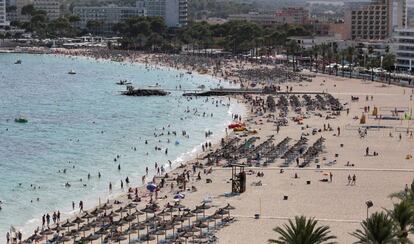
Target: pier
[241,91]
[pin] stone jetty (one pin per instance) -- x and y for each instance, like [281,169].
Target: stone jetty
[131,91]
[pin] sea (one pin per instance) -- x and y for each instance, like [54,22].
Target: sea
[81,124]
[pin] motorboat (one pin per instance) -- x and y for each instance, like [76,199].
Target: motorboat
[155,86]
[21,120]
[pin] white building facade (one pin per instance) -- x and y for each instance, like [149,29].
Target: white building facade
[51,7]
[404,49]
[3,15]
[174,12]
[107,15]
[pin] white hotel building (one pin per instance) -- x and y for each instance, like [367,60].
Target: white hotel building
[404,48]
[3,21]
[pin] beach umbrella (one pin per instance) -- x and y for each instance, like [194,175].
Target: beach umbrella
[47,233]
[96,211]
[59,228]
[193,229]
[122,222]
[166,226]
[163,213]
[118,238]
[78,221]
[154,219]
[188,215]
[105,207]
[112,214]
[121,210]
[178,240]
[84,229]
[147,238]
[92,237]
[159,232]
[197,211]
[37,237]
[101,232]
[178,205]
[63,239]
[130,218]
[187,235]
[228,207]
[130,206]
[222,212]
[204,207]
[201,225]
[87,216]
[137,227]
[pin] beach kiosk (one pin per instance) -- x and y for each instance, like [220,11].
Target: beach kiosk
[238,178]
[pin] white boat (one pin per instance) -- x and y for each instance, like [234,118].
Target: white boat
[72,72]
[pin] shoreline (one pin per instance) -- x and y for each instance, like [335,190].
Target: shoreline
[188,160]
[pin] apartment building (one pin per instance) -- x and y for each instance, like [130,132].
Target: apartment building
[174,12]
[403,48]
[255,17]
[292,15]
[289,15]
[374,20]
[107,15]
[3,14]
[51,7]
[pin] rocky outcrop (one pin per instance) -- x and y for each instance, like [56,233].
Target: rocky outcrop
[131,91]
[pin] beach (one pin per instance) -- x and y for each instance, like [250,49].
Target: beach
[376,154]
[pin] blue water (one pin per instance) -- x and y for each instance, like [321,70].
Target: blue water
[67,115]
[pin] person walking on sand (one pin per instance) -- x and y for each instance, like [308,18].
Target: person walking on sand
[7,237]
[367,151]
[349,180]
[354,180]
[330,176]
[339,131]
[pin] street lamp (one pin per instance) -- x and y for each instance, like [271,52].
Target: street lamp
[369,205]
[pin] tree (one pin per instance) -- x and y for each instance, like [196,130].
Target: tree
[73,18]
[27,10]
[403,216]
[406,194]
[94,25]
[388,62]
[377,229]
[303,231]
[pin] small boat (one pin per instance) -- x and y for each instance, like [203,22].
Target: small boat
[21,120]
[72,72]
[156,85]
[18,62]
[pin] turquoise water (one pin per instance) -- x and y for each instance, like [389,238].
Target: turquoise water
[81,123]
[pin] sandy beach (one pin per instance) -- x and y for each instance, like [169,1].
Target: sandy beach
[336,203]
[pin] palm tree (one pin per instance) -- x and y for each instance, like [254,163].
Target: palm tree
[350,56]
[377,229]
[403,217]
[407,194]
[315,51]
[303,231]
